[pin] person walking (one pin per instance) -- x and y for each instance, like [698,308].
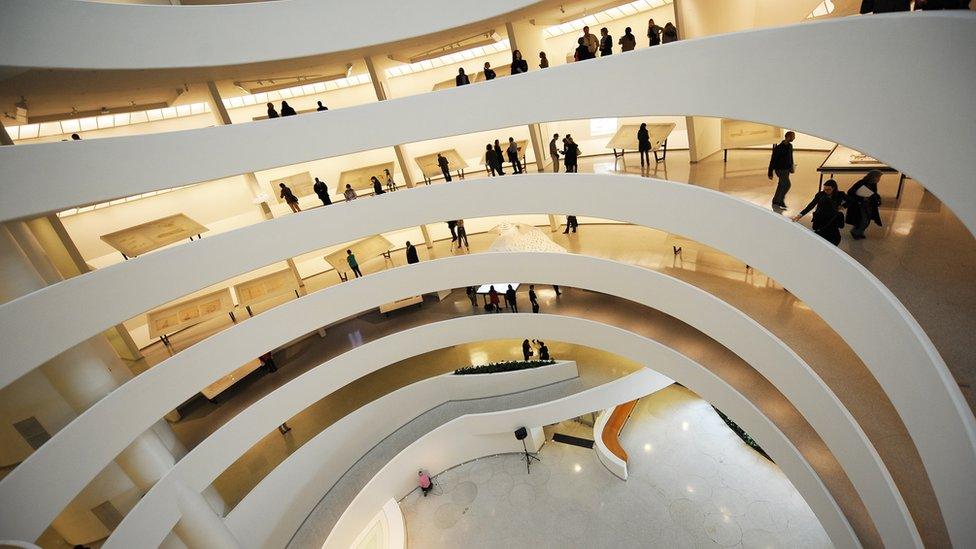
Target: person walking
[411,252]
[513,155]
[499,158]
[462,234]
[628,41]
[543,60]
[534,300]
[321,107]
[289,198]
[423,480]
[554,153]
[606,43]
[644,144]
[272,113]
[322,191]
[669,34]
[571,223]
[653,33]
[451,226]
[526,350]
[489,74]
[510,299]
[863,202]
[591,42]
[472,295]
[493,300]
[349,194]
[461,79]
[286,109]
[519,65]
[377,186]
[781,163]
[390,182]
[445,167]
[827,217]
[353,264]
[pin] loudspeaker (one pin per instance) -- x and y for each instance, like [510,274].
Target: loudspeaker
[521,433]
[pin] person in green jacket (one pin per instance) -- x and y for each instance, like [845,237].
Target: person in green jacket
[353,264]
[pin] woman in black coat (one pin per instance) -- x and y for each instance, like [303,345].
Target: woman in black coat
[519,65]
[644,144]
[863,202]
[827,217]
[499,158]
[377,187]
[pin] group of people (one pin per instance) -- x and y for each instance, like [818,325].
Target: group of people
[493,304]
[588,47]
[540,348]
[861,201]
[570,152]
[494,159]
[288,110]
[321,190]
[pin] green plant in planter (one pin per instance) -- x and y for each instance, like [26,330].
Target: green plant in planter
[498,367]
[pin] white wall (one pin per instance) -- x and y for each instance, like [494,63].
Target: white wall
[609,460]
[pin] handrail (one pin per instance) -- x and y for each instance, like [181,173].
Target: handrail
[611,432]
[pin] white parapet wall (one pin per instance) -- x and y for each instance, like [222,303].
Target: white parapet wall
[299,482]
[609,460]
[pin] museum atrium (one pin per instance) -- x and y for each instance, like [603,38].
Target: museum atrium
[519,273]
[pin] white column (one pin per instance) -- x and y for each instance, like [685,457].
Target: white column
[377,75]
[199,526]
[222,117]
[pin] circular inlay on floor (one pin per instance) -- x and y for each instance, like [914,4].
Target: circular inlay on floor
[522,495]
[464,493]
[447,515]
[540,474]
[499,484]
[764,516]
[686,513]
[722,529]
[729,501]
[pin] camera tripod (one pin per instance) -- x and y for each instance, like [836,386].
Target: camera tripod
[528,457]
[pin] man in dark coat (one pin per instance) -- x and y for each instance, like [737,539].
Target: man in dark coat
[412,254]
[781,163]
[322,192]
[445,167]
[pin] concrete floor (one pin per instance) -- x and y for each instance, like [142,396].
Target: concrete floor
[691,483]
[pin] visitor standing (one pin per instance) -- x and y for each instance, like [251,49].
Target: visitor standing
[628,41]
[571,153]
[534,300]
[390,183]
[543,60]
[353,264]
[513,155]
[591,42]
[571,223]
[526,350]
[827,218]
[644,144]
[412,256]
[289,198]
[322,191]
[669,34]
[349,194]
[653,33]
[490,162]
[462,234]
[445,167]
[286,109]
[321,107]
[519,65]
[554,153]
[489,73]
[863,203]
[272,113]
[499,158]
[606,43]
[781,164]
[581,53]
[461,79]
[510,299]
[377,186]
[452,226]
[493,300]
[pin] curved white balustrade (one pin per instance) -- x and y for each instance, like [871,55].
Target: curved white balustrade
[942,159]
[155,514]
[47,33]
[609,460]
[146,398]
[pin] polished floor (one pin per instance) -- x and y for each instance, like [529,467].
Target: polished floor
[691,483]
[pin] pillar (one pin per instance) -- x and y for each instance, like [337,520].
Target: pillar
[83,374]
[260,197]
[199,526]
[377,75]
[530,40]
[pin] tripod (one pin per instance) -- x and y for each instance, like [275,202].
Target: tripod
[528,457]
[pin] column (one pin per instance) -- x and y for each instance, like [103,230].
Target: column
[199,526]
[260,197]
[529,40]
[376,66]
